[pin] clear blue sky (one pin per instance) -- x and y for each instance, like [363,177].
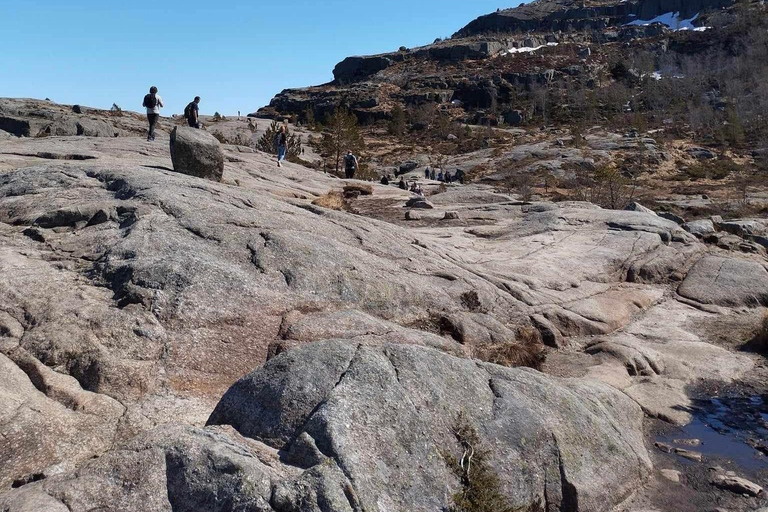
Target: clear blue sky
[235,54]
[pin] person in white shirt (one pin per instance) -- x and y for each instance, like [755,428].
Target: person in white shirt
[153,102]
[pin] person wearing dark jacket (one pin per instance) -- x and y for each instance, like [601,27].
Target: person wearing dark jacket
[282,145]
[402,184]
[153,103]
[192,113]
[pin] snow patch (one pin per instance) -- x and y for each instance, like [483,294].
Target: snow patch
[528,49]
[671,20]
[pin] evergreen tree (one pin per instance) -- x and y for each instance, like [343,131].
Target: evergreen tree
[309,117]
[267,142]
[342,134]
[398,123]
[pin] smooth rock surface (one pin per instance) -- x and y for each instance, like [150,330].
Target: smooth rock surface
[342,396]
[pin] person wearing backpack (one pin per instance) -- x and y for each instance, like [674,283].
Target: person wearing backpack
[281,143]
[153,103]
[192,113]
[350,165]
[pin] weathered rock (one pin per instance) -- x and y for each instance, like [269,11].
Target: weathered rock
[637,207]
[737,484]
[341,396]
[699,228]
[671,216]
[727,282]
[701,153]
[451,216]
[671,474]
[407,167]
[412,215]
[196,153]
[419,202]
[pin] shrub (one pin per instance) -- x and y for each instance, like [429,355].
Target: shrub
[482,490]
[333,200]
[361,188]
[398,123]
[217,117]
[526,350]
[267,142]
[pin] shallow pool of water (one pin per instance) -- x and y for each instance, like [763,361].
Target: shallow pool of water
[735,429]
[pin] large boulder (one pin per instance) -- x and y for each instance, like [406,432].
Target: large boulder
[389,417]
[727,282]
[196,153]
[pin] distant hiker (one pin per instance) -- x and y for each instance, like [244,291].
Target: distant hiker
[281,141]
[153,103]
[384,180]
[440,176]
[419,191]
[426,173]
[238,113]
[350,165]
[402,184]
[447,176]
[413,187]
[432,175]
[192,113]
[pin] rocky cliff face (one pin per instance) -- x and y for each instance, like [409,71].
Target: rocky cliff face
[497,57]
[567,15]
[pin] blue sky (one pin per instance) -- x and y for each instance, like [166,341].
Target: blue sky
[235,54]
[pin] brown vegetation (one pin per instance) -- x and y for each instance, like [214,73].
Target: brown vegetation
[333,200]
[526,350]
[482,490]
[361,188]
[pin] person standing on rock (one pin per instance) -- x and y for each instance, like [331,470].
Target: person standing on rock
[281,141]
[350,165]
[192,113]
[153,103]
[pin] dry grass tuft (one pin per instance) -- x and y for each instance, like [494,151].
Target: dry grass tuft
[481,487]
[332,200]
[362,188]
[526,350]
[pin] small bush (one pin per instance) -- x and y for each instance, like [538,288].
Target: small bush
[526,350]
[333,200]
[363,189]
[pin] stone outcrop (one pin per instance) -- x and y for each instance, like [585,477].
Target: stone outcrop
[344,394]
[196,153]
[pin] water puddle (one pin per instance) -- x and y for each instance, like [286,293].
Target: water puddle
[734,429]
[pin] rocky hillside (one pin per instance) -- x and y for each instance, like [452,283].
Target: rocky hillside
[173,343]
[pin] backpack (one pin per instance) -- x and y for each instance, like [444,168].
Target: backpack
[349,161]
[150,101]
[188,111]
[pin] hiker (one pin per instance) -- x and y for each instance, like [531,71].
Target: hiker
[281,141]
[418,191]
[426,173]
[432,175]
[440,176]
[402,184]
[153,103]
[350,165]
[384,180]
[238,113]
[447,176]
[192,113]
[413,187]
